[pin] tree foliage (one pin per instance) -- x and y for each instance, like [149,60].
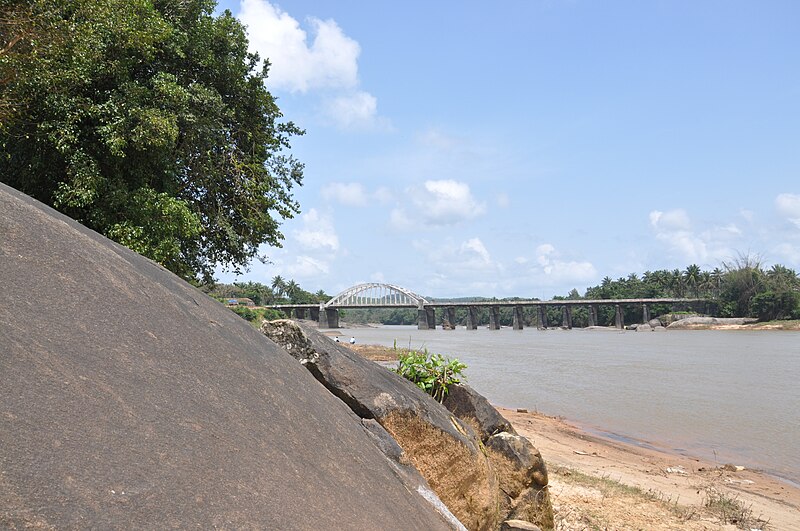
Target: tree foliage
[148,121]
[263,295]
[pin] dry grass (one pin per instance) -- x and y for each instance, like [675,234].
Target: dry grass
[377,352]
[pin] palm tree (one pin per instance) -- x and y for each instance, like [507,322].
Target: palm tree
[692,276]
[716,280]
[292,289]
[278,285]
[322,296]
[783,276]
[705,282]
[677,283]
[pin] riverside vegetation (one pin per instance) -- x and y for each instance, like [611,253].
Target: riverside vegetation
[433,373]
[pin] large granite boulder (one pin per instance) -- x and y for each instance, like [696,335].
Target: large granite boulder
[128,399]
[704,322]
[446,451]
[470,455]
[519,465]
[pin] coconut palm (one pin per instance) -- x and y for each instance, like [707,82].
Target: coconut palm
[692,277]
[278,285]
[292,289]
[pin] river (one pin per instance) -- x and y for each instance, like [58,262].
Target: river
[728,396]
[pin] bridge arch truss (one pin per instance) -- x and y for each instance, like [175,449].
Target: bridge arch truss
[376,294]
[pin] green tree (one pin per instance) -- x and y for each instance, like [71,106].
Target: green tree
[692,277]
[149,122]
[278,285]
[743,280]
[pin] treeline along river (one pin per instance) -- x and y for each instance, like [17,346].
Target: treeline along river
[730,396]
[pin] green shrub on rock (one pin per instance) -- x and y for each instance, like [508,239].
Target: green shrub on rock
[433,373]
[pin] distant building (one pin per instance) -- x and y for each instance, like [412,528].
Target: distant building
[240,301]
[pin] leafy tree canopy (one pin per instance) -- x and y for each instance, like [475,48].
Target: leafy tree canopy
[149,122]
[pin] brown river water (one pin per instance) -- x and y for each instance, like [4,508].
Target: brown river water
[729,396]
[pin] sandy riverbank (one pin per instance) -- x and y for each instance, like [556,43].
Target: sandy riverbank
[601,483]
[598,483]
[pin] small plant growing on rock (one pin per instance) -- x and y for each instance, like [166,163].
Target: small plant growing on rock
[433,373]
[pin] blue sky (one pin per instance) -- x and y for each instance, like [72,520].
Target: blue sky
[525,148]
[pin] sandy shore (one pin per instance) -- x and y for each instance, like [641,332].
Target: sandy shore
[598,483]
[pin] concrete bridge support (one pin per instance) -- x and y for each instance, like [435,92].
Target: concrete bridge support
[426,319]
[518,318]
[430,313]
[592,315]
[494,318]
[645,314]
[542,313]
[314,314]
[472,318]
[619,320]
[299,313]
[329,318]
[566,317]
[422,319]
[449,322]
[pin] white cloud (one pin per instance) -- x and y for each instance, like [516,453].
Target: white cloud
[672,220]
[788,206]
[348,194]
[433,138]
[502,200]
[317,233]
[674,229]
[330,60]
[552,270]
[400,220]
[357,110]
[383,195]
[475,247]
[323,59]
[788,253]
[446,202]
[307,267]
[458,260]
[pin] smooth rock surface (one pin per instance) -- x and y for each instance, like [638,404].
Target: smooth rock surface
[128,399]
[472,407]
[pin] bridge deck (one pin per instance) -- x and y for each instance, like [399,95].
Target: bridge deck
[527,302]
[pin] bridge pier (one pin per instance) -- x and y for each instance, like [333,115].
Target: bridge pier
[566,317]
[299,313]
[329,318]
[518,318]
[494,318]
[422,319]
[314,314]
[426,319]
[645,314]
[542,313]
[619,320]
[449,322]
[592,315]
[472,318]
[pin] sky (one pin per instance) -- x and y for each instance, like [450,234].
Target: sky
[526,148]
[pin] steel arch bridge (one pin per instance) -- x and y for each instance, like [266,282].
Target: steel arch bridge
[375,294]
